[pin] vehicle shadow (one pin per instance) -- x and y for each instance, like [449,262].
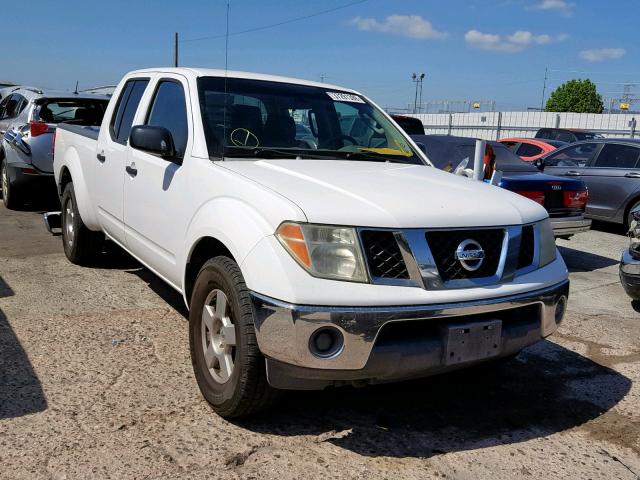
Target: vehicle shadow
[45,200]
[581,261]
[20,389]
[547,389]
[608,227]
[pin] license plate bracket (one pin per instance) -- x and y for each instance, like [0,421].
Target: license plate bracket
[471,341]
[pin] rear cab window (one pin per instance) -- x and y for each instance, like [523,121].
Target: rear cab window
[528,150]
[123,114]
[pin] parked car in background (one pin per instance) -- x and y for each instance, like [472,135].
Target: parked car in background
[630,261]
[411,125]
[304,268]
[28,120]
[611,170]
[568,135]
[564,198]
[530,149]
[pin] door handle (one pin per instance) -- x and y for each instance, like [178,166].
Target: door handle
[131,170]
[101,158]
[632,175]
[573,173]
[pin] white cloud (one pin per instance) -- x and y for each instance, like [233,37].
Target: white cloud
[413,26]
[513,43]
[562,6]
[602,54]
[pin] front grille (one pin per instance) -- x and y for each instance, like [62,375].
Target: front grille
[383,254]
[443,245]
[525,255]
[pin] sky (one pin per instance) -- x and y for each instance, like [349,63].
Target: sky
[469,50]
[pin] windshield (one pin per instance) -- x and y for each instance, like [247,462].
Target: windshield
[263,119]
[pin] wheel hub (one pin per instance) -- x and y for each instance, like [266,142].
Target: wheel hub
[68,223]
[218,336]
[5,182]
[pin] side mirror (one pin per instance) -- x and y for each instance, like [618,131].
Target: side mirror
[539,164]
[422,147]
[154,140]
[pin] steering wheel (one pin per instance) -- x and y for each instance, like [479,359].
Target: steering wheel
[342,136]
[242,137]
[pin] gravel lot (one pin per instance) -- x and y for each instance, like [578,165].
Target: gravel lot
[96,382]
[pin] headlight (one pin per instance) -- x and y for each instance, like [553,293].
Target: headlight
[324,251]
[547,242]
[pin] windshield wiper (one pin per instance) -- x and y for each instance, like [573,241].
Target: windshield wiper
[379,157]
[266,152]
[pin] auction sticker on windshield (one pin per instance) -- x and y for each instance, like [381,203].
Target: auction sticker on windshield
[345,97]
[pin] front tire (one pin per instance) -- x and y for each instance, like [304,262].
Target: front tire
[10,193]
[228,365]
[81,245]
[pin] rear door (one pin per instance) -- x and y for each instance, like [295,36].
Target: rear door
[155,188]
[110,161]
[612,177]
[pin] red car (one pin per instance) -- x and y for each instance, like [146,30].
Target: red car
[530,149]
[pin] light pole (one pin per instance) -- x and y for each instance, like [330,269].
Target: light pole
[417,79]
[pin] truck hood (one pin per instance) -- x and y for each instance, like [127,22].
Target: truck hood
[388,195]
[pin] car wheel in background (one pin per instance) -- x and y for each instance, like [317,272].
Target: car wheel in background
[81,245]
[628,219]
[229,368]
[10,194]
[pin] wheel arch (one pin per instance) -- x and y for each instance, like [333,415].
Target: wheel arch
[633,199]
[204,249]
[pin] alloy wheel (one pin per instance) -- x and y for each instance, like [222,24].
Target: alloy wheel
[218,336]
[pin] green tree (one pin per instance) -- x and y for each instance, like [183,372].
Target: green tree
[579,96]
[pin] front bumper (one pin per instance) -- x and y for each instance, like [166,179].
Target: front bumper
[630,275]
[570,225]
[389,343]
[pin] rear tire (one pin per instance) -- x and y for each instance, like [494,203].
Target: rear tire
[10,193]
[228,365]
[81,245]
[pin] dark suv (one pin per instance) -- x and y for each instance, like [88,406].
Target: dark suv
[568,135]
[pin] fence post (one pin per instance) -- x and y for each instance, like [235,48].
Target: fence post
[557,120]
[632,124]
[450,124]
[499,126]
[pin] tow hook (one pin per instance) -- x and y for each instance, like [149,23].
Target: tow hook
[52,222]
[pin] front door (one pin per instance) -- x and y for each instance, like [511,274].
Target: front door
[612,178]
[155,187]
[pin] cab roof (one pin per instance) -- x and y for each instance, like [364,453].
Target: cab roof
[210,72]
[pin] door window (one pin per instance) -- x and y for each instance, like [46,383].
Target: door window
[528,150]
[169,110]
[125,110]
[10,109]
[617,156]
[575,156]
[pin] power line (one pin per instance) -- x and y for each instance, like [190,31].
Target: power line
[284,22]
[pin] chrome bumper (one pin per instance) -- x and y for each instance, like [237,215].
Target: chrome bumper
[630,275]
[284,330]
[570,225]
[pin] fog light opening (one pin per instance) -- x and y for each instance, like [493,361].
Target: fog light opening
[326,342]
[561,308]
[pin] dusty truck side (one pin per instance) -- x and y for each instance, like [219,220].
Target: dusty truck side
[310,238]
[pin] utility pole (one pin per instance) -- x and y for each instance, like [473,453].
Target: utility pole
[544,89]
[417,79]
[322,77]
[175,50]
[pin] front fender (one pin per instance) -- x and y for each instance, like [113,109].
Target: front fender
[237,224]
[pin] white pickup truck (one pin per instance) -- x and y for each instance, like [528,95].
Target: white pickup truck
[311,239]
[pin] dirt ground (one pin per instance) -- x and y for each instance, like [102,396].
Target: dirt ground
[96,382]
